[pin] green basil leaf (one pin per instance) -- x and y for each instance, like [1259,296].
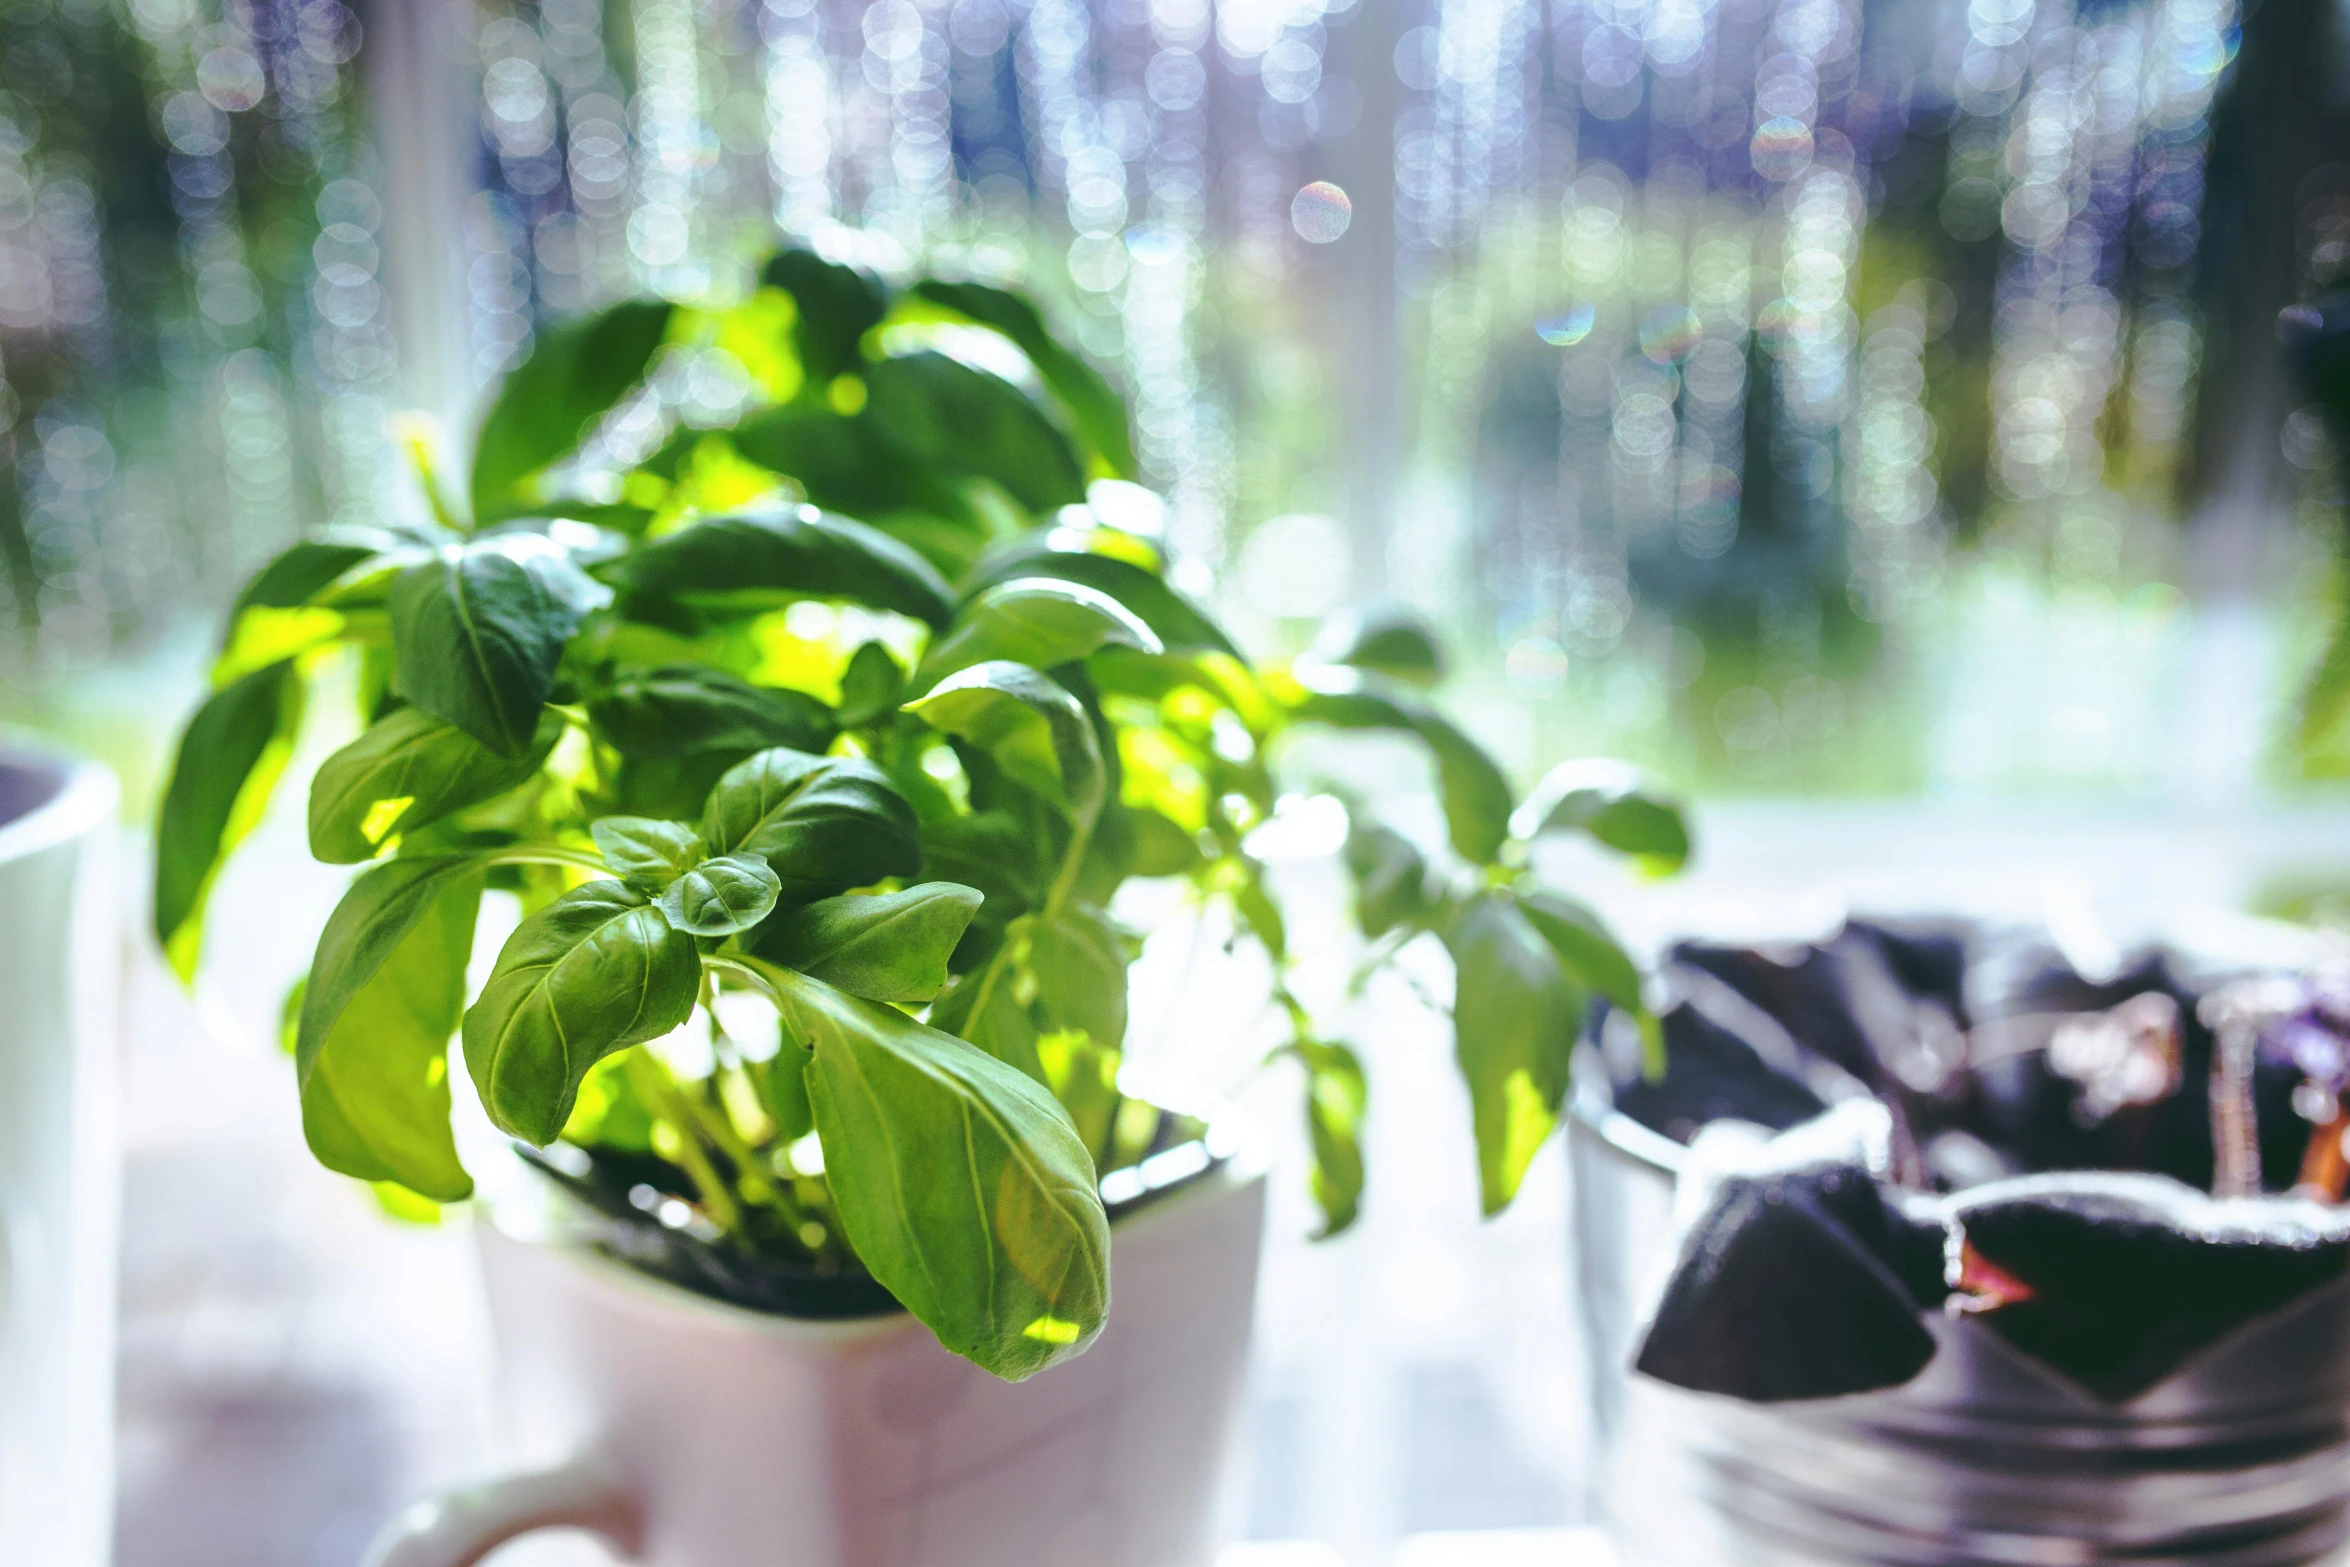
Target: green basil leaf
[871,686]
[384,994]
[1476,795]
[800,552]
[477,632]
[959,1181]
[1033,728]
[228,764]
[1585,946]
[1182,626]
[299,574]
[1337,1094]
[1615,804]
[1083,1075]
[943,413]
[838,305]
[822,824]
[575,373]
[687,709]
[1098,412]
[721,896]
[592,973]
[1079,959]
[1515,1014]
[890,946]
[783,1089]
[1390,877]
[1037,621]
[1161,848]
[1389,641]
[848,465]
[408,771]
[984,1007]
[646,853]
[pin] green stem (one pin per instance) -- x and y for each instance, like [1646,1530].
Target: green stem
[653,1083]
[540,854]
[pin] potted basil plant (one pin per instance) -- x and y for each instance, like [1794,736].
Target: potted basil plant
[848,707]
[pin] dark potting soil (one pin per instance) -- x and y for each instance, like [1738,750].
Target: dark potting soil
[626,1193]
[2075,1229]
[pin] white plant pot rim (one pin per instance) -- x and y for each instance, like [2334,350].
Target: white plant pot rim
[652,1293]
[85,795]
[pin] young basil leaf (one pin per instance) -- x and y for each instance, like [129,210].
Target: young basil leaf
[798,551]
[646,853]
[1475,793]
[1389,641]
[688,710]
[592,973]
[721,896]
[1098,412]
[1178,623]
[1033,728]
[1079,959]
[383,997]
[1584,945]
[1390,877]
[890,946]
[943,413]
[573,374]
[478,630]
[838,305]
[1037,621]
[1515,1014]
[408,771]
[823,824]
[1613,803]
[229,760]
[959,1181]
[1337,1094]
[871,686]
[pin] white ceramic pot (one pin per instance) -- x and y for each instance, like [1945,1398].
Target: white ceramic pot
[689,1433]
[60,954]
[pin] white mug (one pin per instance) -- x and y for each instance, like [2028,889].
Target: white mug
[691,1433]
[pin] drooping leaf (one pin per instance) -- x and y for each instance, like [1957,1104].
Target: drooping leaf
[721,896]
[838,305]
[645,852]
[383,997]
[1475,794]
[871,685]
[943,413]
[959,1181]
[1177,622]
[574,374]
[1591,954]
[227,765]
[592,973]
[1033,728]
[1614,803]
[1387,640]
[1079,959]
[1515,1015]
[408,771]
[799,551]
[478,630]
[1337,1093]
[1390,877]
[890,946]
[1097,411]
[823,824]
[1037,621]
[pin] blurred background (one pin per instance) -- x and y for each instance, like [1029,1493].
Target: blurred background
[1867,413]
